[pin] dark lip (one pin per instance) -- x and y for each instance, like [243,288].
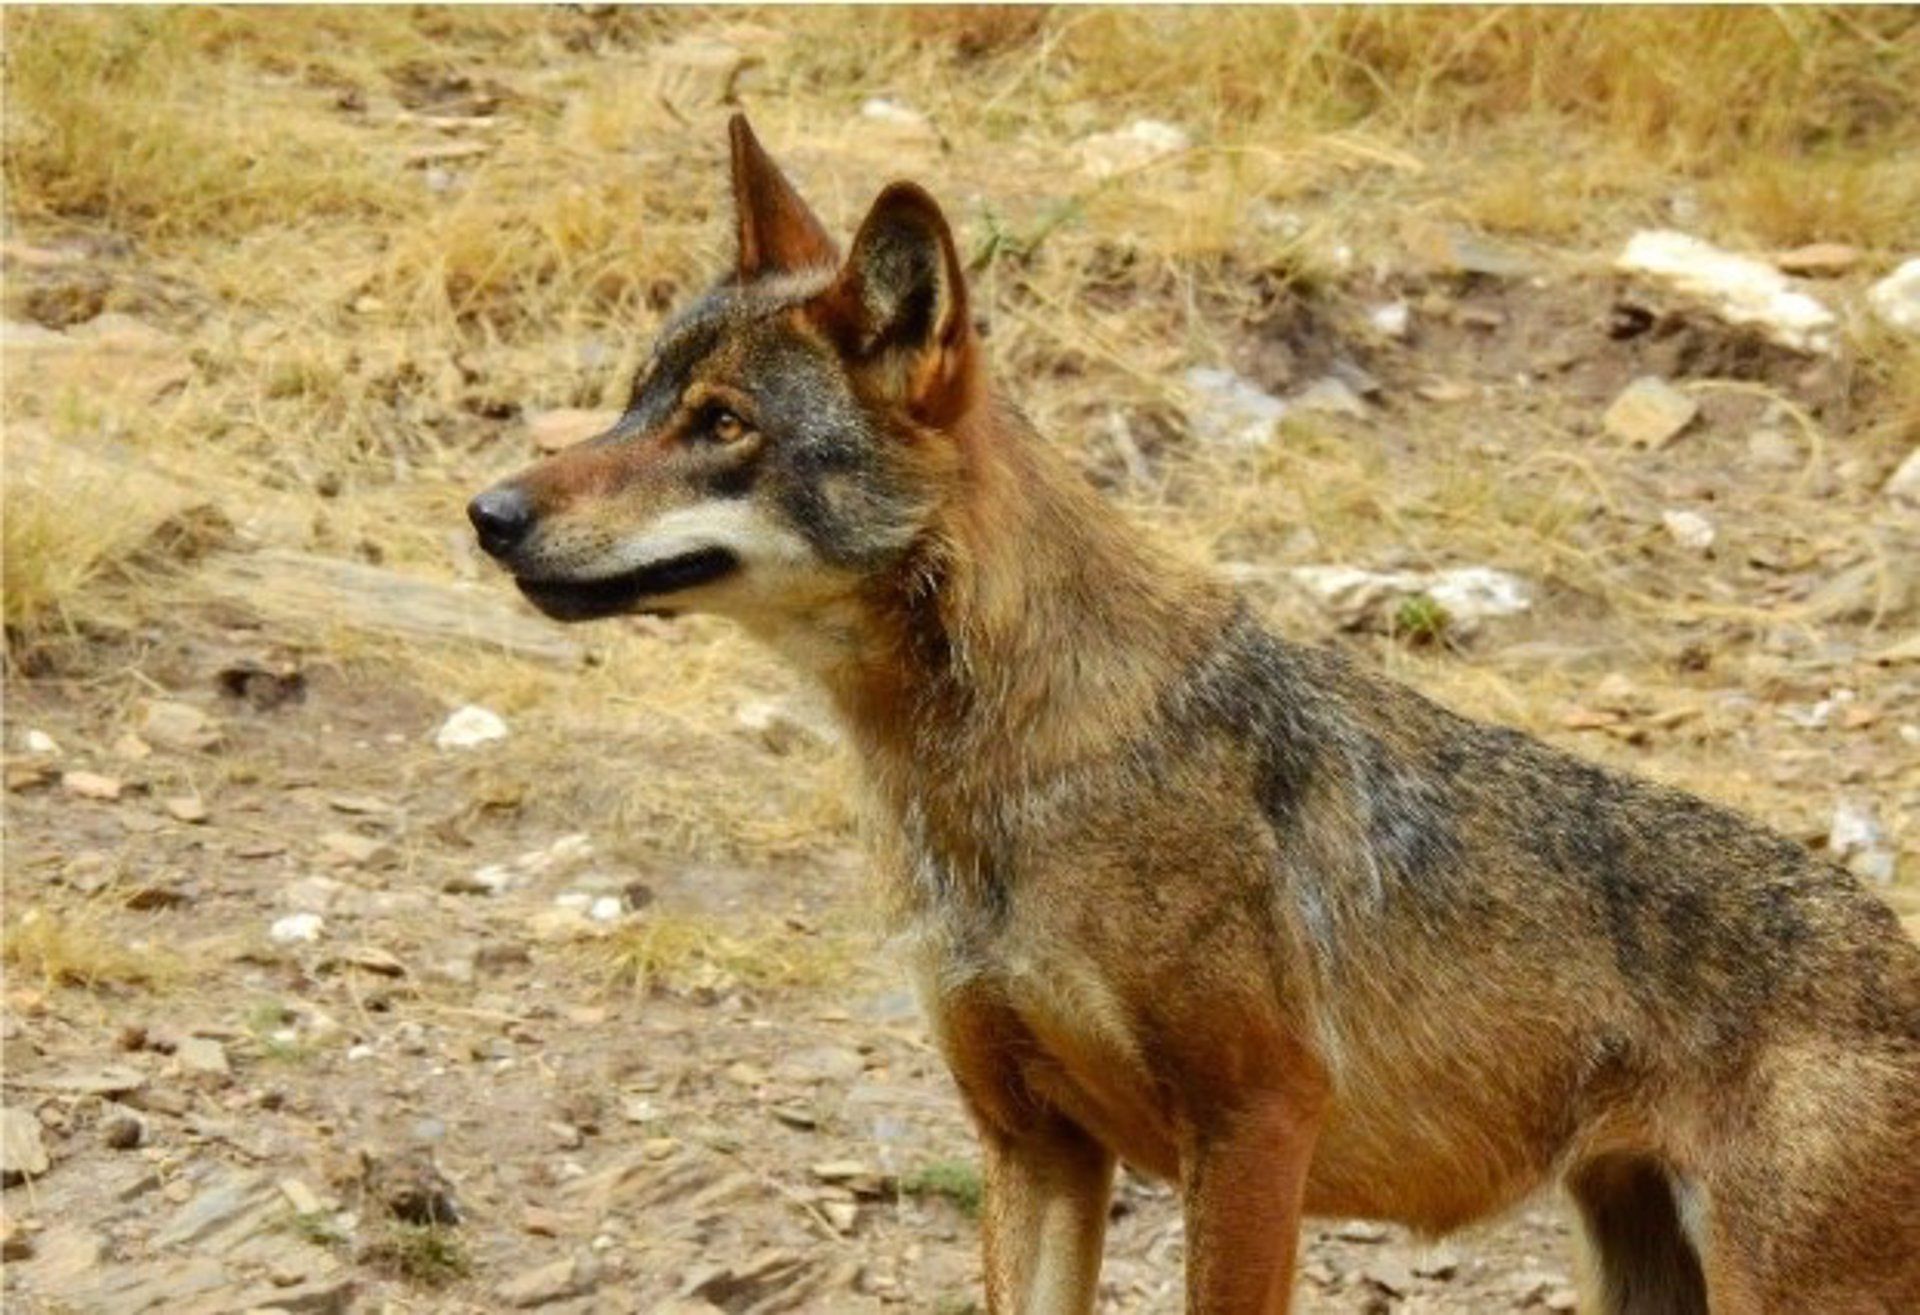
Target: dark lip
[588,600]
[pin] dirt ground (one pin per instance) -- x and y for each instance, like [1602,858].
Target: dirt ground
[307,1011]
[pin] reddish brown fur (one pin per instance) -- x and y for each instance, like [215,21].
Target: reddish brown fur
[1180,893]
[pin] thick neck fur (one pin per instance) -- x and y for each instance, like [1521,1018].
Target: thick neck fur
[1033,630]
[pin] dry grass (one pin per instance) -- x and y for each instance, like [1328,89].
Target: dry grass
[151,122]
[667,951]
[80,947]
[82,525]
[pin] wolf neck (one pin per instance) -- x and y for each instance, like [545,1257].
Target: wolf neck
[1035,630]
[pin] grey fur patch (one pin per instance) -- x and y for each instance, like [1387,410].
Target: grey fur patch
[827,464]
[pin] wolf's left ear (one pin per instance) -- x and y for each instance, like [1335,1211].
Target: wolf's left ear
[778,231]
[899,306]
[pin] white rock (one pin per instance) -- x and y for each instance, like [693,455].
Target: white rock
[1740,289]
[1472,593]
[1896,298]
[296,929]
[1859,842]
[1395,319]
[607,908]
[41,742]
[1229,409]
[1468,594]
[1689,529]
[1902,486]
[1135,146]
[468,727]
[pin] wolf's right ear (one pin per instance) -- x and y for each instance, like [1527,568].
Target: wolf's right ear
[899,307]
[779,233]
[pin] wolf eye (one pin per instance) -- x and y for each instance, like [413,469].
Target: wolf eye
[723,426]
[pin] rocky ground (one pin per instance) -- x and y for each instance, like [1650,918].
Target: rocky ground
[381,1046]
[396,1076]
[372,945]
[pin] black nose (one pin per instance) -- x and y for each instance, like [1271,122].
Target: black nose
[502,516]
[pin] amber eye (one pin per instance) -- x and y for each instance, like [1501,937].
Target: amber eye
[726,427]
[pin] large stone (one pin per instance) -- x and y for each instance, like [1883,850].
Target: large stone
[1360,599]
[1737,289]
[298,587]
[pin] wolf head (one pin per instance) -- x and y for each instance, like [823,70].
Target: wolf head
[785,442]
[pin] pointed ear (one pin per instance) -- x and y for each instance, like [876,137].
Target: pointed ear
[778,233]
[899,305]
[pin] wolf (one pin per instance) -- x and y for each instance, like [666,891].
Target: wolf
[1181,892]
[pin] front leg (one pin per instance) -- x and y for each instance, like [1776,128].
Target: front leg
[1044,1218]
[1242,1180]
